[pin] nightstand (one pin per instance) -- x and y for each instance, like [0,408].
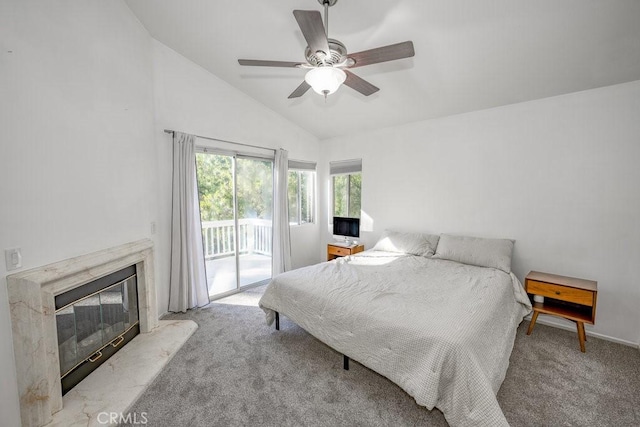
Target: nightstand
[336,251]
[567,297]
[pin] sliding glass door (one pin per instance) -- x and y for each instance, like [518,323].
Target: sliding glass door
[254,189]
[236,204]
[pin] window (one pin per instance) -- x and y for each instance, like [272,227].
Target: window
[346,185]
[302,192]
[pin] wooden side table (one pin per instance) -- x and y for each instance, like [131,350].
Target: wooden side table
[336,251]
[567,297]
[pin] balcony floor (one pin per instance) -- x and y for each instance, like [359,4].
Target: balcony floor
[221,272]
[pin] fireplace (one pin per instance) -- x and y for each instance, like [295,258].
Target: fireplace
[38,296]
[93,322]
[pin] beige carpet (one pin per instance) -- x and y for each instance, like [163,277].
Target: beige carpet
[236,371]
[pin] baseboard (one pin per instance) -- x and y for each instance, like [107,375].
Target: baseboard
[570,326]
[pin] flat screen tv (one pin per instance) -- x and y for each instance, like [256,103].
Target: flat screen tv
[347,227]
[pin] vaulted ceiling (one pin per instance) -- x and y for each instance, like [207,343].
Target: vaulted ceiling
[470,55]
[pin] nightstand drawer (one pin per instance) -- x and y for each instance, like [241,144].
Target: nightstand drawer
[564,293]
[334,251]
[337,250]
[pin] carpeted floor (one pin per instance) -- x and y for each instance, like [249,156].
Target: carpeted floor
[236,371]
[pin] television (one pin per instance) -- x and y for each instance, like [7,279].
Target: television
[346,227]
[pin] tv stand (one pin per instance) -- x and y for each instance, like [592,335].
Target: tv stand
[336,250]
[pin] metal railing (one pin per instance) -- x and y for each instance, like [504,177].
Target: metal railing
[254,237]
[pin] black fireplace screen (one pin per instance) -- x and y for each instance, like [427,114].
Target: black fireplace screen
[93,322]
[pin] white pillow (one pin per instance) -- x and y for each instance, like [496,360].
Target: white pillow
[407,243]
[478,251]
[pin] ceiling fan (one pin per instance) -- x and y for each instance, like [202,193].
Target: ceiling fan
[327,59]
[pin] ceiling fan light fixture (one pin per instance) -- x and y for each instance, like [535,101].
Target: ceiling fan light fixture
[325,80]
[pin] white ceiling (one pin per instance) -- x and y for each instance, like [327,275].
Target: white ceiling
[470,55]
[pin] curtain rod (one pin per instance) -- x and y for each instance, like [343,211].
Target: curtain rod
[224,140]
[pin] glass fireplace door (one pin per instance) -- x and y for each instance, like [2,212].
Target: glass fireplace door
[94,321]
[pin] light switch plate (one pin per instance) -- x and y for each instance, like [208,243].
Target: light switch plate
[13,258]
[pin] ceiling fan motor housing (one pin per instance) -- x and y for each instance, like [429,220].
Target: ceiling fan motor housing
[337,55]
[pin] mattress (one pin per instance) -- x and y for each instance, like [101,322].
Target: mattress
[441,330]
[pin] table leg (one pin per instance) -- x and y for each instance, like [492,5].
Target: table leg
[533,322]
[581,336]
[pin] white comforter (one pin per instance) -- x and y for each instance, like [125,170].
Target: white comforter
[441,330]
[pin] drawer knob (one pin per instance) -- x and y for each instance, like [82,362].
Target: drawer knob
[557,292]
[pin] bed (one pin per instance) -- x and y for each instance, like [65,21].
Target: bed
[441,329]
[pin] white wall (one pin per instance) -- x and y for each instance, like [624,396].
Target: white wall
[190,99]
[558,175]
[77,169]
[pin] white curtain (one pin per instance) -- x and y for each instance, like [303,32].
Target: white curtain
[188,285]
[281,241]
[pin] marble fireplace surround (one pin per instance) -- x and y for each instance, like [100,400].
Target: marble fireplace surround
[31,299]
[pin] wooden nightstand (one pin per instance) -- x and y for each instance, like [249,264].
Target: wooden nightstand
[336,251]
[568,297]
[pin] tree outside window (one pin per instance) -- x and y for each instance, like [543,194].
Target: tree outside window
[215,187]
[301,191]
[347,195]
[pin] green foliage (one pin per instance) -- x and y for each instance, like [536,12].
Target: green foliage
[255,188]
[292,193]
[340,207]
[302,182]
[347,195]
[307,197]
[355,186]
[215,187]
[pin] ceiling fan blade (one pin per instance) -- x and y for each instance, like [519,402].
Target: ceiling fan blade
[300,90]
[382,54]
[261,63]
[359,84]
[310,23]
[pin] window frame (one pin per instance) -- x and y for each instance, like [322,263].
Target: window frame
[348,195]
[297,221]
[349,168]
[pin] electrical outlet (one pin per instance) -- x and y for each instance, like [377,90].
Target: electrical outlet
[153,227]
[13,258]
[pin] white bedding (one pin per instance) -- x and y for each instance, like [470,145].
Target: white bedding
[441,330]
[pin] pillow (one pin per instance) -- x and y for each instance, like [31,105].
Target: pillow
[478,251]
[407,243]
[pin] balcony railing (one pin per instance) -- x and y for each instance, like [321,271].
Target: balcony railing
[254,237]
